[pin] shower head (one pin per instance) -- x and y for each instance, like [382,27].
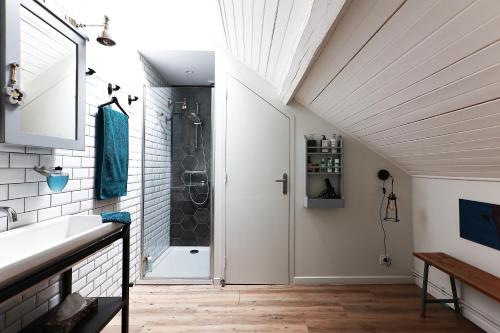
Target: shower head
[194,118]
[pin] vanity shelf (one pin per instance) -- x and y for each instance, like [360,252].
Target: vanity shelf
[324,173]
[326,154]
[95,321]
[324,203]
[315,180]
[107,307]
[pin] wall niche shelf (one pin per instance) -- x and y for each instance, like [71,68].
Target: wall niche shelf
[315,175]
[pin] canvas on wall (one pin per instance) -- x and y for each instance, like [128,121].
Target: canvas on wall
[480,222]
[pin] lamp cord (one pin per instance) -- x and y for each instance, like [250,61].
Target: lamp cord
[387,263]
[392,184]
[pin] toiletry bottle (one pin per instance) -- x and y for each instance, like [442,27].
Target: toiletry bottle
[323,165]
[329,165]
[336,164]
[340,143]
[309,164]
[333,143]
[57,179]
[324,144]
[311,142]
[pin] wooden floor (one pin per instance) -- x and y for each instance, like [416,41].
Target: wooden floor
[346,309]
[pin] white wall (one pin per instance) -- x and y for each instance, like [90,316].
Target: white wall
[27,192]
[332,245]
[436,229]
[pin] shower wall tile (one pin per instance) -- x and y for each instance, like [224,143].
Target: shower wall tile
[157,169]
[190,222]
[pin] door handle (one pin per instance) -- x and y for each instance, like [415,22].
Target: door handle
[284,180]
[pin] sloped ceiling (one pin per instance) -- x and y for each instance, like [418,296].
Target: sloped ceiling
[416,80]
[261,33]
[277,38]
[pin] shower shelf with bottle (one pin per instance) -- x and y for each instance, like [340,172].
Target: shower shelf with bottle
[324,172]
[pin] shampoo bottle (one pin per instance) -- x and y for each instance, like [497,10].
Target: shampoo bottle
[336,165]
[340,142]
[324,144]
[329,165]
[333,143]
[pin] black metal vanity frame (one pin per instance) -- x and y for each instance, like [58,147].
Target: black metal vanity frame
[107,307]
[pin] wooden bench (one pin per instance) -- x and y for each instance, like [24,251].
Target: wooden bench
[478,279]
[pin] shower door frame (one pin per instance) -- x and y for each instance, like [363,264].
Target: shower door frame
[172,281]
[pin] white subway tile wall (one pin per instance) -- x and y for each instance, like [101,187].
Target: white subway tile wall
[158,142]
[28,193]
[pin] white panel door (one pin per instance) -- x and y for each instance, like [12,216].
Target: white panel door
[257,209]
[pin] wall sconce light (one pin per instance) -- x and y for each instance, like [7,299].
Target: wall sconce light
[391,209]
[103,38]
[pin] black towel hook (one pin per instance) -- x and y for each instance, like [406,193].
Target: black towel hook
[132,99]
[112,88]
[90,72]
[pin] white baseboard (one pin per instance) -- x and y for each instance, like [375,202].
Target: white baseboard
[168,281]
[476,316]
[376,279]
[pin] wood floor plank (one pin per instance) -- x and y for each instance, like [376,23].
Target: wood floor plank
[290,309]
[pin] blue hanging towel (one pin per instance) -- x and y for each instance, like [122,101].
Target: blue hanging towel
[119,217]
[111,153]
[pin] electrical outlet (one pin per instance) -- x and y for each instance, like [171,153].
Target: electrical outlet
[385,260]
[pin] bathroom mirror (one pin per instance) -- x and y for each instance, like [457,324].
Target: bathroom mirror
[44,82]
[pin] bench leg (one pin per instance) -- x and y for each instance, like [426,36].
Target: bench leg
[424,289]
[454,292]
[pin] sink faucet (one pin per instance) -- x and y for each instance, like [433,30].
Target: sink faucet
[11,215]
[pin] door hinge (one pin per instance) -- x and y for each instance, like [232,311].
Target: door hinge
[225,178]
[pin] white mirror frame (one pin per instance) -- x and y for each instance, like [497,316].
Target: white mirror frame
[10,115]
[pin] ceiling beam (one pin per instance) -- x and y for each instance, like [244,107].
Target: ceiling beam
[321,21]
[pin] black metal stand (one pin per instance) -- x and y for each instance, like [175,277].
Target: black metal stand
[107,307]
[66,283]
[425,300]
[125,278]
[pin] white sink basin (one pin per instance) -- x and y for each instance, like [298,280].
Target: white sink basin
[24,249]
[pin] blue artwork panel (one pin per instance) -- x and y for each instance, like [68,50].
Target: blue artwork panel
[480,222]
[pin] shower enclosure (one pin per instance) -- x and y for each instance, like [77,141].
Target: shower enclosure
[177,177]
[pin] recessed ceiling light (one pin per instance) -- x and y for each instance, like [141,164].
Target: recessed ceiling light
[189,72]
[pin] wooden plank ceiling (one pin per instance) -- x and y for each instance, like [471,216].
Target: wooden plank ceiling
[417,80]
[262,33]
[266,35]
